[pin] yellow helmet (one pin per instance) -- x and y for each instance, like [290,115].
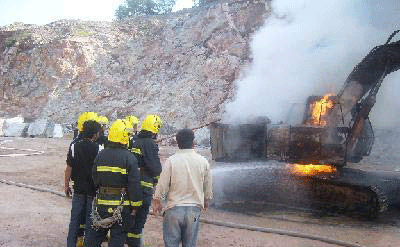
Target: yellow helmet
[81,120]
[118,132]
[92,116]
[85,117]
[103,120]
[129,126]
[152,123]
[133,120]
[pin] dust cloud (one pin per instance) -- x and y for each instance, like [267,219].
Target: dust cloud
[309,47]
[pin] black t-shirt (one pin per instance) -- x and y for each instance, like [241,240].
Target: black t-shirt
[69,154]
[83,154]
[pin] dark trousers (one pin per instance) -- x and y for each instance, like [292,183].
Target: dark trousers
[118,232]
[135,232]
[94,238]
[81,209]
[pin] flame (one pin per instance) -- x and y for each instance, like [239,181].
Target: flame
[311,169]
[319,109]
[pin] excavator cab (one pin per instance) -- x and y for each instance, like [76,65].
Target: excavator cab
[312,141]
[334,130]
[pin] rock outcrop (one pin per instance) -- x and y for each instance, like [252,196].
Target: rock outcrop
[182,66]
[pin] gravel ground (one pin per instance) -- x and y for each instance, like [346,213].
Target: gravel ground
[33,218]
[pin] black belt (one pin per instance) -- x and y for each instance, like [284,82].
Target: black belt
[112,190]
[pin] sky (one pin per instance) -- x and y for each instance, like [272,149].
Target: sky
[41,12]
[311,52]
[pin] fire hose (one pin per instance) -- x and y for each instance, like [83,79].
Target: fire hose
[194,128]
[220,223]
[32,152]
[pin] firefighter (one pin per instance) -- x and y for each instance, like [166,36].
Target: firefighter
[117,179]
[85,116]
[80,162]
[145,148]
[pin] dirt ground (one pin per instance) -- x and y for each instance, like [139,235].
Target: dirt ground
[33,218]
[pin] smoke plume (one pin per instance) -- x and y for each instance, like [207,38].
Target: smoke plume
[308,47]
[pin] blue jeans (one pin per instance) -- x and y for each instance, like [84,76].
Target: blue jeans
[181,224]
[81,208]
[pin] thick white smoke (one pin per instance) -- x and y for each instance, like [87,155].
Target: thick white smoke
[308,47]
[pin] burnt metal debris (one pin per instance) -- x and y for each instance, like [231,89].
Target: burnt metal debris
[335,129]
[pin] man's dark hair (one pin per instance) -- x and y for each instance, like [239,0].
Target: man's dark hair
[90,128]
[185,138]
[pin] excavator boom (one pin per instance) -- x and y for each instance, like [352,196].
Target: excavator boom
[335,130]
[343,134]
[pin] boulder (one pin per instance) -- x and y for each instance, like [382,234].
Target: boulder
[38,128]
[49,131]
[1,126]
[14,127]
[58,131]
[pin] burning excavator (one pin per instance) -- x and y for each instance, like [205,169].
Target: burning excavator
[334,130]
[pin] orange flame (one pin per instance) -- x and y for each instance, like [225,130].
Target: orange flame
[319,109]
[311,169]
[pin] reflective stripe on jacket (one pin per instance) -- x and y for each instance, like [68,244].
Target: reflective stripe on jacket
[146,151]
[117,167]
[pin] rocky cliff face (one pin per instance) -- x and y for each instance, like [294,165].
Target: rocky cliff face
[182,66]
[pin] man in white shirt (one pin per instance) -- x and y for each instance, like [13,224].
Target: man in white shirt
[186,184]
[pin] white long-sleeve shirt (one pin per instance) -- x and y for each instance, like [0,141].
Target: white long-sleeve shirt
[185,179]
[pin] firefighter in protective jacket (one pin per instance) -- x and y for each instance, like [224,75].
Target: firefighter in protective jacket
[145,148]
[117,179]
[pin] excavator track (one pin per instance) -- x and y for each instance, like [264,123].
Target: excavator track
[348,198]
[335,130]
[368,194]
